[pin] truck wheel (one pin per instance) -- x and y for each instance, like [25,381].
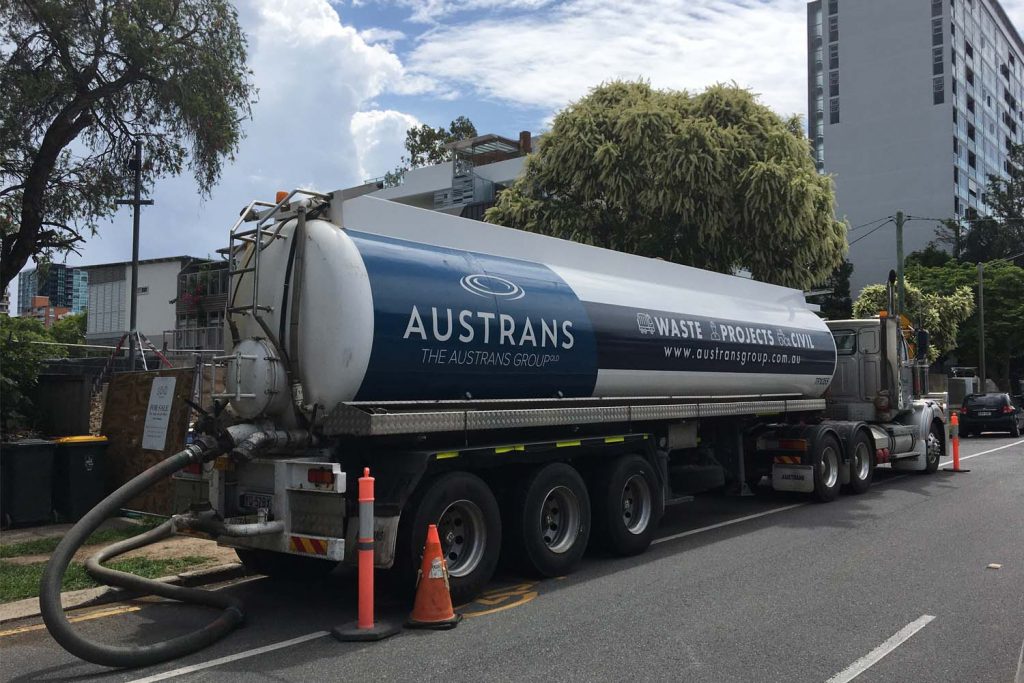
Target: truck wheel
[469,524]
[550,525]
[627,505]
[935,448]
[826,468]
[862,467]
[283,566]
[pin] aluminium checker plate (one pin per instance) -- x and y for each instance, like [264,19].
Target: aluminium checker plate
[412,417]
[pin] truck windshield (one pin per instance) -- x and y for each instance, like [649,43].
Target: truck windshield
[846,342]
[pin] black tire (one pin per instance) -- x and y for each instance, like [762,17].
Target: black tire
[464,501]
[284,567]
[549,525]
[862,463]
[627,500]
[826,463]
[934,449]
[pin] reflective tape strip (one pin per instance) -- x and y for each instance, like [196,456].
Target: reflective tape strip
[445,456]
[614,439]
[508,449]
[566,444]
[366,519]
[309,546]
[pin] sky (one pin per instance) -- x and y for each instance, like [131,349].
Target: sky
[340,81]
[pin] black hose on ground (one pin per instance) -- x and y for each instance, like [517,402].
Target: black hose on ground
[128,656]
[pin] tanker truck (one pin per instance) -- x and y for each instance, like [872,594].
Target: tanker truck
[529,395]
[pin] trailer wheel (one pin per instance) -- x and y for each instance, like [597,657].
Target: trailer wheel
[469,524]
[627,505]
[550,524]
[826,468]
[284,566]
[862,466]
[935,448]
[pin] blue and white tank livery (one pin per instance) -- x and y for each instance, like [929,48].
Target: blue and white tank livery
[402,304]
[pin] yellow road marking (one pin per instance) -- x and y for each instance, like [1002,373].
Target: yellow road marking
[100,614]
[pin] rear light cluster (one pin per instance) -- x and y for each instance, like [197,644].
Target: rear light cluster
[320,476]
[1007,409]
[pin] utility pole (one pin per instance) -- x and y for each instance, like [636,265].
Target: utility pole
[981,323]
[136,202]
[899,262]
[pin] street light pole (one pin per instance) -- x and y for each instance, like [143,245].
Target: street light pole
[136,202]
[899,263]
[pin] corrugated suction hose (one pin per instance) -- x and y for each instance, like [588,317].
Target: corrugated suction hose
[128,656]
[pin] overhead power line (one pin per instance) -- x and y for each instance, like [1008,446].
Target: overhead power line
[869,232]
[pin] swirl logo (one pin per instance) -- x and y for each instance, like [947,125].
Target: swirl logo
[491,285]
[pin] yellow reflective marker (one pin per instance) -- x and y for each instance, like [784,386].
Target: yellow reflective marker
[566,444]
[449,454]
[74,620]
[614,439]
[508,449]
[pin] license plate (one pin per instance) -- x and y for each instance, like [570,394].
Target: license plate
[984,413]
[255,501]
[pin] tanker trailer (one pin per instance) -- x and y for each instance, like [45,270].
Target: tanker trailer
[527,394]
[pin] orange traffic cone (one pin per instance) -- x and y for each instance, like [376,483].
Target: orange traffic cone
[433,605]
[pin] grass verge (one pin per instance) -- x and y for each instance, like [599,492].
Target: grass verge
[19,581]
[45,546]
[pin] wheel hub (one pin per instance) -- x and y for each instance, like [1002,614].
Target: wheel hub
[463,536]
[559,519]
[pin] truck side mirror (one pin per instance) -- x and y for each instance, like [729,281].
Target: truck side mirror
[922,344]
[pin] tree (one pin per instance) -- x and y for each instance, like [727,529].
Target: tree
[426,146]
[80,81]
[931,256]
[940,314]
[22,361]
[837,305]
[70,330]
[714,180]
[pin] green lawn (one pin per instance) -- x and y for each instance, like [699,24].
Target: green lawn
[18,581]
[45,546]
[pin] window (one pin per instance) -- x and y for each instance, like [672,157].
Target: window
[833,83]
[833,110]
[956,175]
[968,50]
[833,6]
[970,104]
[970,132]
[833,56]
[846,342]
[833,29]
[936,8]
[969,76]
[142,290]
[936,61]
[972,160]
[938,95]
[936,32]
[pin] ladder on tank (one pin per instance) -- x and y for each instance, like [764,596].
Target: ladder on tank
[260,236]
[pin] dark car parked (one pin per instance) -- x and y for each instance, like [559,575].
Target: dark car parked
[991,413]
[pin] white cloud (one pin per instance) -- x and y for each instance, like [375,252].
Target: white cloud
[385,36]
[551,57]
[379,137]
[432,11]
[314,74]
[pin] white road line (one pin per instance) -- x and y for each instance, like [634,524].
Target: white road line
[975,455]
[873,657]
[1019,678]
[231,658]
[727,523]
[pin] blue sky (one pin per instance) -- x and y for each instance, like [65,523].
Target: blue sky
[341,80]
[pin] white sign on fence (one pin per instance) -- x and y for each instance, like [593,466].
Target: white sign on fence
[158,416]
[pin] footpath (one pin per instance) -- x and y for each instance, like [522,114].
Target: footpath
[182,560]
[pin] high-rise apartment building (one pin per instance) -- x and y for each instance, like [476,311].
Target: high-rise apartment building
[912,104]
[66,287]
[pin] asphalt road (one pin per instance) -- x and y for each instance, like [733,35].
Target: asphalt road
[806,592]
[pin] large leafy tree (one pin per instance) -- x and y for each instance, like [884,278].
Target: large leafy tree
[1004,311]
[81,81]
[426,146]
[714,180]
[19,370]
[940,314]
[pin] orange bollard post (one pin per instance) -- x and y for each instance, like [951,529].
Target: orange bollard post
[365,628]
[954,434]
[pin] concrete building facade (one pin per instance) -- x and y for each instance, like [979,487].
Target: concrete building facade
[110,298]
[911,106]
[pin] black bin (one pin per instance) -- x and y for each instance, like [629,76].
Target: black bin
[26,473]
[79,475]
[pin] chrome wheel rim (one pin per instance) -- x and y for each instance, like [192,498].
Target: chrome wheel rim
[861,461]
[636,504]
[829,467]
[463,536]
[559,519]
[934,448]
